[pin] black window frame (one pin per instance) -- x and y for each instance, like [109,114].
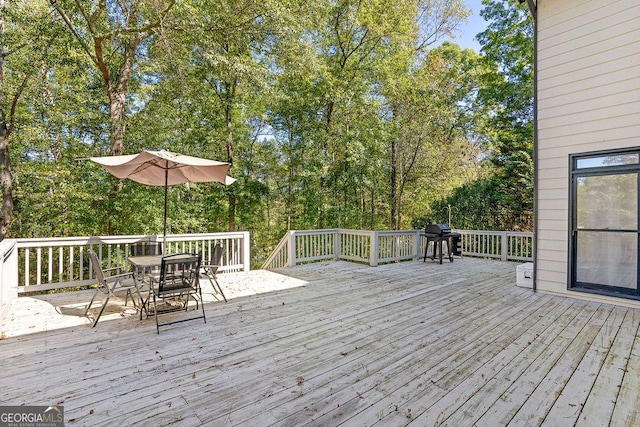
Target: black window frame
[574,174]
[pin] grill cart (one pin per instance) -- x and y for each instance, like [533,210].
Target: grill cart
[439,233]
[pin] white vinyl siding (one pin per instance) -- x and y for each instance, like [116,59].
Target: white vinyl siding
[588,100]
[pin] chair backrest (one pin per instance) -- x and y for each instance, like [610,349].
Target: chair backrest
[179,272]
[216,256]
[96,266]
[145,248]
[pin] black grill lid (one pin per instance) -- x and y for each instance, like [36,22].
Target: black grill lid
[437,229]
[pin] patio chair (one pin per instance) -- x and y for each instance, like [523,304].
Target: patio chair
[177,283]
[145,248]
[210,269]
[110,284]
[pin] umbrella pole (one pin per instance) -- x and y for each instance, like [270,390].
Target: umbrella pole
[166,186]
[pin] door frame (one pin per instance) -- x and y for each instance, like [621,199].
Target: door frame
[586,170]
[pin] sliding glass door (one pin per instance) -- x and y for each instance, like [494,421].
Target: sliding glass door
[604,223]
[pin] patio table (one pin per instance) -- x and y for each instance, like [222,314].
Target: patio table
[144,262]
[143,266]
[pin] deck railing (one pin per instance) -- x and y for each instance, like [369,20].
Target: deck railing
[28,265]
[45,264]
[376,247]
[8,275]
[504,245]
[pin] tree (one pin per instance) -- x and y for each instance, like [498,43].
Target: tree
[507,45]
[430,21]
[26,37]
[435,149]
[113,35]
[502,198]
[336,113]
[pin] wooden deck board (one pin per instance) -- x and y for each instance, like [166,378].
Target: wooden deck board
[337,343]
[420,367]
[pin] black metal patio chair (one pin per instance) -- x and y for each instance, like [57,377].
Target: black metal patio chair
[210,268]
[177,283]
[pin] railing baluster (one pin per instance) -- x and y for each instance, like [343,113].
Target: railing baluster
[81,275]
[27,275]
[50,264]
[70,277]
[60,264]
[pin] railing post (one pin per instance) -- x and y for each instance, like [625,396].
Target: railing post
[8,275]
[504,250]
[337,247]
[292,248]
[246,251]
[416,246]
[373,256]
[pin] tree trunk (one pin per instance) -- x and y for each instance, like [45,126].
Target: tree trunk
[290,178]
[373,209]
[116,119]
[118,94]
[325,166]
[228,113]
[5,179]
[393,184]
[5,132]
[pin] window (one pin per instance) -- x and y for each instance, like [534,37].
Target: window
[603,253]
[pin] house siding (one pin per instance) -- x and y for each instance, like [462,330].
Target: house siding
[588,72]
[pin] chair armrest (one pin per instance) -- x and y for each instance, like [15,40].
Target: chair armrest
[107,270]
[118,276]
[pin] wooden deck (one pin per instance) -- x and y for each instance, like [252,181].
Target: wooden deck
[337,343]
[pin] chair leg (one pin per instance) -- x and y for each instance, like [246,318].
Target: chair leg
[133,300]
[91,302]
[143,303]
[220,288]
[203,315]
[214,283]
[195,298]
[104,305]
[155,311]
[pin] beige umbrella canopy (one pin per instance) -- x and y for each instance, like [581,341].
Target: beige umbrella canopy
[164,168]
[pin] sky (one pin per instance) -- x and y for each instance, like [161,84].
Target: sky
[474,25]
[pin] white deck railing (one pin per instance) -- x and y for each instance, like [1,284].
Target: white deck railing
[8,275]
[45,264]
[28,265]
[376,247]
[504,245]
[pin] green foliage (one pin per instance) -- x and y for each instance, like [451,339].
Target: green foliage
[503,200]
[332,113]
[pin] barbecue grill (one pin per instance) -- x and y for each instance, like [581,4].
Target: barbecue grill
[439,233]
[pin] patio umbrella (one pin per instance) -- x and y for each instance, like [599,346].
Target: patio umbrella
[164,168]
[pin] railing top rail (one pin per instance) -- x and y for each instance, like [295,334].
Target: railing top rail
[123,239]
[495,233]
[397,232]
[195,236]
[355,232]
[81,240]
[321,231]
